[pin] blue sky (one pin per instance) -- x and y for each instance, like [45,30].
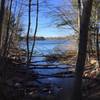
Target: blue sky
[47,26]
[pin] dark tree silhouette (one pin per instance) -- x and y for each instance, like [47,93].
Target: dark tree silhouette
[2,9]
[5,46]
[84,27]
[28,30]
[36,28]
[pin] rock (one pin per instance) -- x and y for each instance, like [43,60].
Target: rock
[93,61]
[93,73]
[17,84]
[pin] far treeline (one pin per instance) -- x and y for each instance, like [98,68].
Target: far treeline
[70,37]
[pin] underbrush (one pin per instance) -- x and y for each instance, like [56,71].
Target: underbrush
[67,57]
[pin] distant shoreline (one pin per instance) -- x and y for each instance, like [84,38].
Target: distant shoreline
[72,37]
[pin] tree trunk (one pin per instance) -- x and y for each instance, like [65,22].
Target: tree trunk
[2,9]
[28,31]
[5,46]
[36,28]
[97,46]
[84,24]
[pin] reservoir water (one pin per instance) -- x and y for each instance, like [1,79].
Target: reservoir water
[61,86]
[46,46]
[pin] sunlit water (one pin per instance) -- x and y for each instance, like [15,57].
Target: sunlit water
[44,47]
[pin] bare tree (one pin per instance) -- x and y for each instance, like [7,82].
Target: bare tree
[5,46]
[35,31]
[97,46]
[2,9]
[28,30]
[16,28]
[84,26]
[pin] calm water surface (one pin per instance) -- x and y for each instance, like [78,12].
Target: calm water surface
[44,47]
[48,47]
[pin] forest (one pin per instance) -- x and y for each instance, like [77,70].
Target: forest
[58,62]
